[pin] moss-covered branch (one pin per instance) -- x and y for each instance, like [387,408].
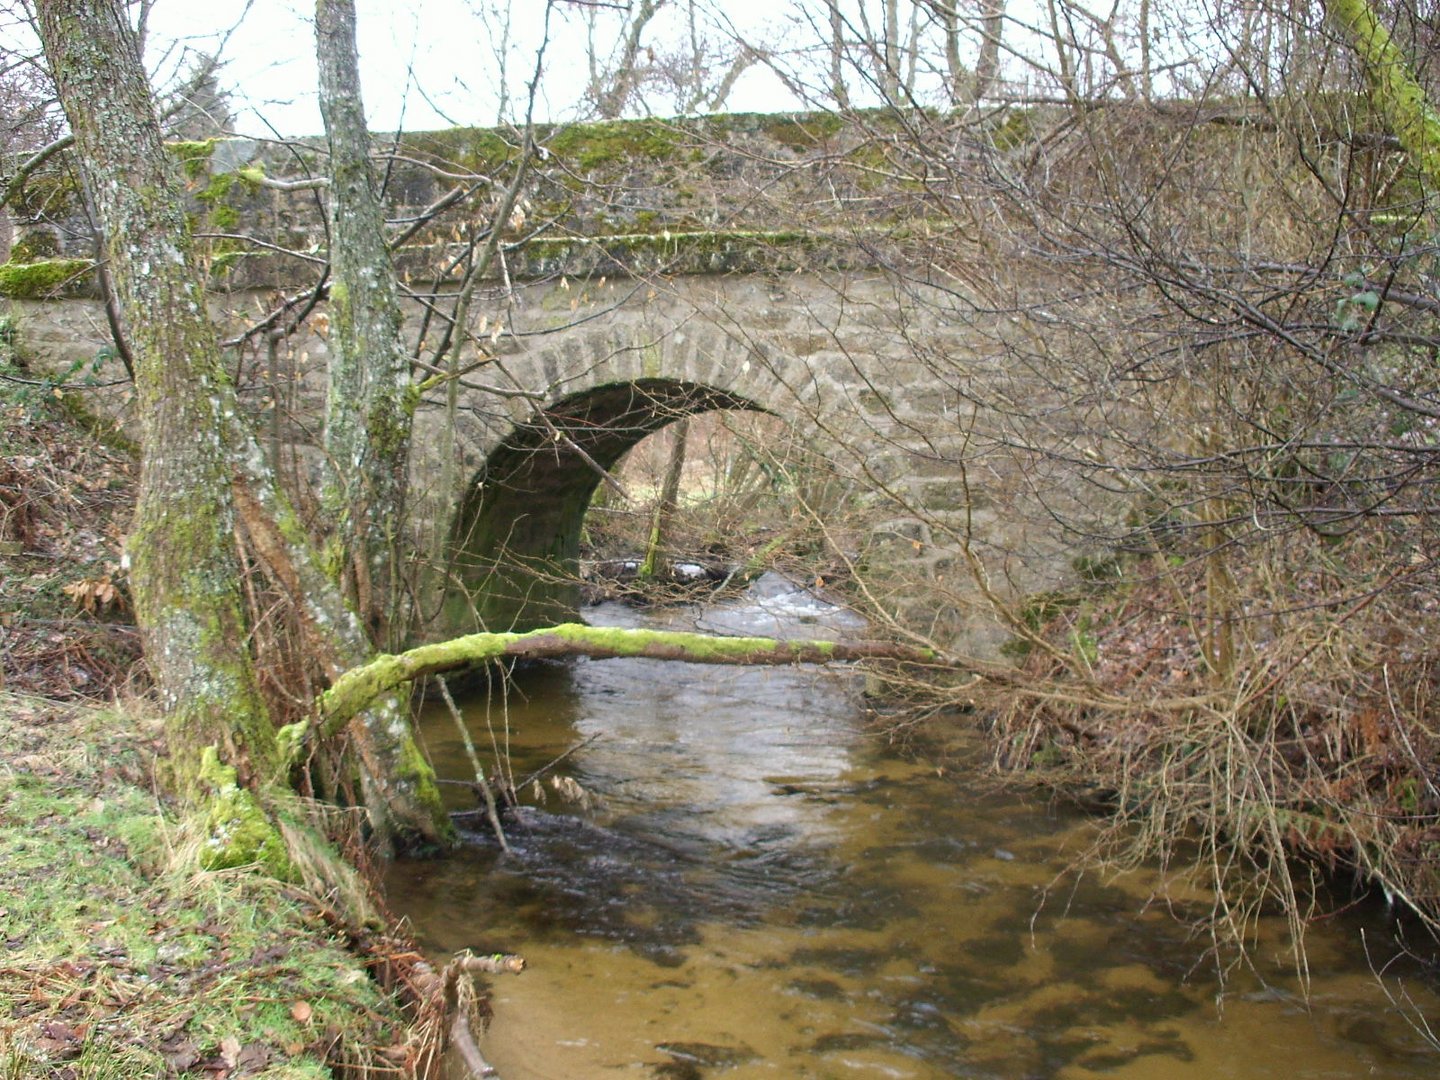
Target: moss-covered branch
[355,689]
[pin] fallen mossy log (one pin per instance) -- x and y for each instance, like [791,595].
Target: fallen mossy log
[356,688]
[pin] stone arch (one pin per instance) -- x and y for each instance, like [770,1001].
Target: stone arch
[516,538]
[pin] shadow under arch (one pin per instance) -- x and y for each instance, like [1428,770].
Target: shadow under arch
[514,555]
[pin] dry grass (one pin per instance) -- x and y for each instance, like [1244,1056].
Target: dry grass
[1304,748]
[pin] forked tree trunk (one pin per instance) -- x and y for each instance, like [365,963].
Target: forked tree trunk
[185,574]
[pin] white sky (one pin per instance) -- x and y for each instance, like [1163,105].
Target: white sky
[441,50]
[271,56]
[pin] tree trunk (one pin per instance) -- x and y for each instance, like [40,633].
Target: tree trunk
[184,571]
[370,404]
[987,66]
[185,574]
[401,797]
[838,89]
[368,416]
[655,558]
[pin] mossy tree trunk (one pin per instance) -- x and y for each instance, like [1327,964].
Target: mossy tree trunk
[355,689]
[184,571]
[1394,89]
[196,457]
[398,784]
[370,399]
[368,414]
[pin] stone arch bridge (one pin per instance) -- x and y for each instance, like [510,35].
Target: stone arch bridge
[902,397]
[909,392]
[578,388]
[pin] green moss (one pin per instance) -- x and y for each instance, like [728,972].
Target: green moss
[194,156]
[703,251]
[238,831]
[481,150]
[1048,756]
[217,190]
[1014,128]
[592,146]
[413,772]
[221,193]
[39,280]
[290,741]
[92,884]
[802,131]
[34,247]
[48,193]
[224,218]
[357,688]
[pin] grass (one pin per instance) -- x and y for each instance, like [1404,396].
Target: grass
[119,959]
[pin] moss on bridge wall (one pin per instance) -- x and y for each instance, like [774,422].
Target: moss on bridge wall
[703,195]
[45,278]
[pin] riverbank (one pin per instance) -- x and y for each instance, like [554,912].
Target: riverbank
[1229,728]
[121,959]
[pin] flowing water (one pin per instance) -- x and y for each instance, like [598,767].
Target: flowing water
[765,890]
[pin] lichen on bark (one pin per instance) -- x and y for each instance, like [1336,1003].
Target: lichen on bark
[369,405]
[184,572]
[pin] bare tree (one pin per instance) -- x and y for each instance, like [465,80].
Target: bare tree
[184,572]
[616,75]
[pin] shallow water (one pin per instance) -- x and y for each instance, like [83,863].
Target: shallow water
[764,890]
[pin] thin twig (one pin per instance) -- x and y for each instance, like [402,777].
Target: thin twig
[484,785]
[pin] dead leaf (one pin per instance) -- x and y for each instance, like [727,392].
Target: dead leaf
[254,1058]
[230,1051]
[180,1053]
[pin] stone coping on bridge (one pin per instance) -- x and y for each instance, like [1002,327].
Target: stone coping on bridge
[739,251]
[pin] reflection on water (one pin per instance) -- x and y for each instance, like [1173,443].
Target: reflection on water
[765,891]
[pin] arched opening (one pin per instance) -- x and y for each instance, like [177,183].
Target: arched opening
[514,561]
[695,500]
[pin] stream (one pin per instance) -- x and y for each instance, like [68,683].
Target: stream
[761,887]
